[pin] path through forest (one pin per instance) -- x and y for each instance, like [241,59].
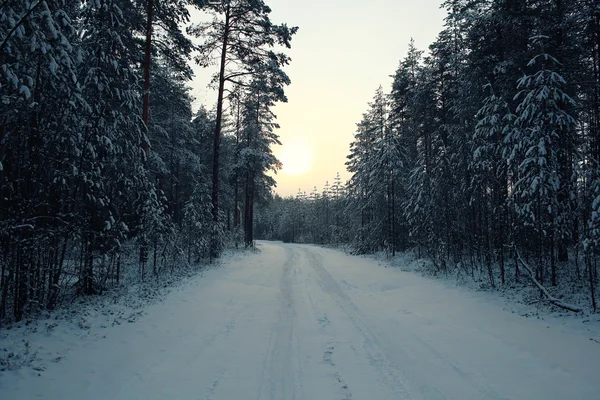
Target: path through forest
[302,322]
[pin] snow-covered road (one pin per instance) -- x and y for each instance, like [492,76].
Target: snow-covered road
[302,322]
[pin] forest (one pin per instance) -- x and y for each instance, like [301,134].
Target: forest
[481,157]
[107,175]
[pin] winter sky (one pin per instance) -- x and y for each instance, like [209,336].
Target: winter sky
[341,54]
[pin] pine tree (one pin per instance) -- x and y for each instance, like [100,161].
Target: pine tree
[490,171]
[363,166]
[405,131]
[546,131]
[243,36]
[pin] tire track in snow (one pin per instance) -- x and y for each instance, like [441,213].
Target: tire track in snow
[376,353]
[223,333]
[281,369]
[486,391]
[140,377]
[235,309]
[328,359]
[220,333]
[391,375]
[324,324]
[212,389]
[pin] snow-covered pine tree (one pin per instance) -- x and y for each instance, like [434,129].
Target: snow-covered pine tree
[489,182]
[255,155]
[546,137]
[371,175]
[242,37]
[39,59]
[74,179]
[403,126]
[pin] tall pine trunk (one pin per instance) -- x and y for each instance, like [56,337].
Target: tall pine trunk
[147,59]
[214,246]
[249,211]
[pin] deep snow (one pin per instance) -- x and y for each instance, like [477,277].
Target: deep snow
[302,322]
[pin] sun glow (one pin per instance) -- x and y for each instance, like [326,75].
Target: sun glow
[296,157]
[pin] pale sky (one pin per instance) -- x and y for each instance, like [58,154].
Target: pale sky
[342,52]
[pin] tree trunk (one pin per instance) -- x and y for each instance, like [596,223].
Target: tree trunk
[147,59]
[55,276]
[4,294]
[236,200]
[545,292]
[249,211]
[393,217]
[591,280]
[214,250]
[552,259]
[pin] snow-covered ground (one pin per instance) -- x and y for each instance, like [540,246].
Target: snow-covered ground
[302,322]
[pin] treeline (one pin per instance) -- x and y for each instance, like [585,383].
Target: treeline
[316,217]
[484,153]
[101,153]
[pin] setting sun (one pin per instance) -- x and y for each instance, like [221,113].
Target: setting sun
[296,157]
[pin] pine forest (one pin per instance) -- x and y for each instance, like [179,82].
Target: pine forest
[101,154]
[481,157]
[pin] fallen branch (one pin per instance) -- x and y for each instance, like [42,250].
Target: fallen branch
[550,298]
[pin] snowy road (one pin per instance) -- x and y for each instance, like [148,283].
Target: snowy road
[301,322]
